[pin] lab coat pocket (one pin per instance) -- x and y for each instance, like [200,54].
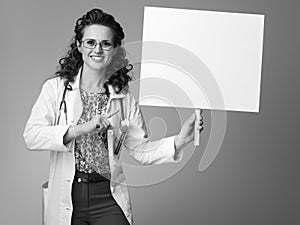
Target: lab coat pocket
[44,202]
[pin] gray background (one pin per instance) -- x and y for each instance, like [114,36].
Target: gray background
[254,179]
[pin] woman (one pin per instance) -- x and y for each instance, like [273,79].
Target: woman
[82,116]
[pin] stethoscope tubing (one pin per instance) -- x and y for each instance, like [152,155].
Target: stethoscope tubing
[63,104]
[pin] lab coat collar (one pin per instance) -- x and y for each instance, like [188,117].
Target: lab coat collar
[113,94]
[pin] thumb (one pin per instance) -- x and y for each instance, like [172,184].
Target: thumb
[192,118]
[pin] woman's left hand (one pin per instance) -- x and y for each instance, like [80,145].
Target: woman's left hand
[187,131]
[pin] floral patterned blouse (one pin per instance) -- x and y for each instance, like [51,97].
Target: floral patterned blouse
[91,149]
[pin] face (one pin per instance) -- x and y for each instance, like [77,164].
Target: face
[96,59]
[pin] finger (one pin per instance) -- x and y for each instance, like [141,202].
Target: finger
[200,128]
[193,116]
[105,124]
[110,127]
[99,124]
[112,114]
[191,119]
[199,119]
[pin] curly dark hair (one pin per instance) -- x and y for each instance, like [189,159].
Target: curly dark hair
[70,64]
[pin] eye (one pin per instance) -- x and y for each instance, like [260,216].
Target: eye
[106,44]
[90,42]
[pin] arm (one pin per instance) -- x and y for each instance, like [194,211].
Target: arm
[75,131]
[41,133]
[99,122]
[141,148]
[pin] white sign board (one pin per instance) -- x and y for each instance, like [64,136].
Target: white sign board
[201,59]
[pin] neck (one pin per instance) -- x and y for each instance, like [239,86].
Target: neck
[92,80]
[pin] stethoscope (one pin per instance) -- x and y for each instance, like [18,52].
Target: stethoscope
[63,104]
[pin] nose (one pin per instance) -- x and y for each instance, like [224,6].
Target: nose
[98,48]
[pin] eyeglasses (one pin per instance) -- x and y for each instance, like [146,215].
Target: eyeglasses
[92,43]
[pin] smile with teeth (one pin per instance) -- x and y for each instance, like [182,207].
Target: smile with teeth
[97,58]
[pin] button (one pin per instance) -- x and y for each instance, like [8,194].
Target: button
[68,180]
[68,209]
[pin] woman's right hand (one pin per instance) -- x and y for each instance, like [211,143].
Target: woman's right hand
[100,122]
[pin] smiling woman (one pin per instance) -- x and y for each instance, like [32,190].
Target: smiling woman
[86,180]
[95,57]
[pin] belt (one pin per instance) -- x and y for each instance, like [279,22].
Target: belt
[89,177]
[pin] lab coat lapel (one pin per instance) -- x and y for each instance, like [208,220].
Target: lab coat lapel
[77,106]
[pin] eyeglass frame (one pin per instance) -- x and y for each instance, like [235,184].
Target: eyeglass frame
[97,43]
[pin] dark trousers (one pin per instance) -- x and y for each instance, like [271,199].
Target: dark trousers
[93,203]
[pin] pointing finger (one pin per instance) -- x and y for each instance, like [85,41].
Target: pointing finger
[112,114]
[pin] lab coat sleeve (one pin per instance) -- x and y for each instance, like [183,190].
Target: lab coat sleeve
[40,132]
[141,148]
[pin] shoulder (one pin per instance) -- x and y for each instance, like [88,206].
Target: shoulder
[53,85]
[131,100]
[54,82]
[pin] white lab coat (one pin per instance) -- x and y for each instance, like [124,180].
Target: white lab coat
[41,133]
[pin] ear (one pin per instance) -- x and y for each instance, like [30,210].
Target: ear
[79,46]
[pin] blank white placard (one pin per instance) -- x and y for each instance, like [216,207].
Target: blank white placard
[228,47]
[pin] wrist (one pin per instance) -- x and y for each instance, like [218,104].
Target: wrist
[90,126]
[73,132]
[178,144]
[83,128]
